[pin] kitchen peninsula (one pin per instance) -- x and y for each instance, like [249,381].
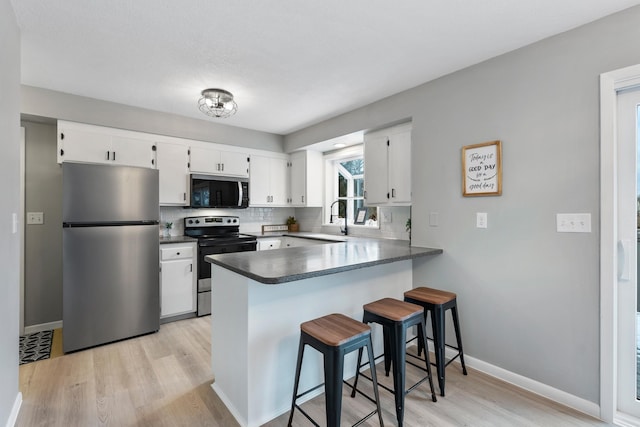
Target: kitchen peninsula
[260,298]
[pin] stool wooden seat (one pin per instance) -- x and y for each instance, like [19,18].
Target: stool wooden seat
[334,335]
[437,302]
[396,317]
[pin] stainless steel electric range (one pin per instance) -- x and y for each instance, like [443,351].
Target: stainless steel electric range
[216,235]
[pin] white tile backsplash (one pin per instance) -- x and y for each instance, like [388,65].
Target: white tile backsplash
[251,219]
[310,219]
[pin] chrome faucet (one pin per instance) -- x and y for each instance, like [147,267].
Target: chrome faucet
[342,230]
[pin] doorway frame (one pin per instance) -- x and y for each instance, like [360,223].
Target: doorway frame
[610,84]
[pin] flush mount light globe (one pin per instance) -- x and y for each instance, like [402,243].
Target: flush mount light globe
[217,103]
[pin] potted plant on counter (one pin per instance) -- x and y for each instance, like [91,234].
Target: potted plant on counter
[167,229]
[293,224]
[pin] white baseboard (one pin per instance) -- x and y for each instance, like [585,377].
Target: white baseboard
[625,420]
[230,406]
[544,390]
[42,327]
[13,416]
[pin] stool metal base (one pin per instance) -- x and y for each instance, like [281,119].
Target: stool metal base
[333,376]
[438,323]
[395,354]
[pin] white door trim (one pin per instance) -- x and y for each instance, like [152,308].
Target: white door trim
[21,223]
[610,84]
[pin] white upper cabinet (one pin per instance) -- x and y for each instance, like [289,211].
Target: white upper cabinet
[306,176]
[268,181]
[387,167]
[94,144]
[217,162]
[172,161]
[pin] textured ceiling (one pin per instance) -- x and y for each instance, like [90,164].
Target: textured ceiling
[289,63]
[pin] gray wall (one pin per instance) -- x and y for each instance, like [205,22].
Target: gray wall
[43,243]
[529,296]
[10,179]
[57,105]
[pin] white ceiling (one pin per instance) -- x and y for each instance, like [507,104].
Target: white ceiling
[289,63]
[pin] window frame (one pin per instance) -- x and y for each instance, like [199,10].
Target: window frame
[332,169]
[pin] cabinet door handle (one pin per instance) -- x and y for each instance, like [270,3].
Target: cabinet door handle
[177,253]
[184,196]
[108,155]
[223,167]
[114,156]
[191,268]
[393,192]
[302,199]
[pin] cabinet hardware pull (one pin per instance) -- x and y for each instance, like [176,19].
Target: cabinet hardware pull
[61,135]
[223,167]
[191,268]
[114,156]
[302,199]
[393,192]
[108,155]
[177,253]
[184,196]
[62,152]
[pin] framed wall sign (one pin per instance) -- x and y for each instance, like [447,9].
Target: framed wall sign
[482,169]
[361,216]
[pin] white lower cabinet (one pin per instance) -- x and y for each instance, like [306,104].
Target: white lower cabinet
[177,279]
[269,244]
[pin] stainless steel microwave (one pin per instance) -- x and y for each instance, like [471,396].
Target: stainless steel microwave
[211,191]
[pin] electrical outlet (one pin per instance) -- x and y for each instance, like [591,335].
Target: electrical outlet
[386,216]
[35,217]
[481,220]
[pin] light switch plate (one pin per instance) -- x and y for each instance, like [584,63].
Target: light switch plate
[386,216]
[573,223]
[35,217]
[481,220]
[433,219]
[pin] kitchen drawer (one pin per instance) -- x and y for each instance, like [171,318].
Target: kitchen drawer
[181,252]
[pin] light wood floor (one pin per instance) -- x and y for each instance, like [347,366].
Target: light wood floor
[164,379]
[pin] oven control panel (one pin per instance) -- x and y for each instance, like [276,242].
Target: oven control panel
[211,221]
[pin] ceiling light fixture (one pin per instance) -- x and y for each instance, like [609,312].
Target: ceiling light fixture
[217,103]
[339,145]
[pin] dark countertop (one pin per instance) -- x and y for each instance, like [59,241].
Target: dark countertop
[177,239]
[298,263]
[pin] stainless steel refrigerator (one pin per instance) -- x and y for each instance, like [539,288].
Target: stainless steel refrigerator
[110,240]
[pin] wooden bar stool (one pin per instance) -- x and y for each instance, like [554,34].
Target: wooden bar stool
[396,317]
[438,302]
[334,335]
